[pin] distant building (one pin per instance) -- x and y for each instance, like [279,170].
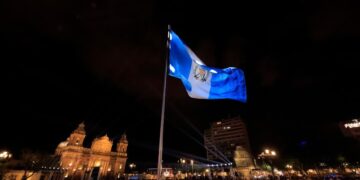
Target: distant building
[243,161]
[95,162]
[223,137]
[351,128]
[228,140]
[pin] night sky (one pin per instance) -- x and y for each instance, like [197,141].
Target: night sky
[102,62]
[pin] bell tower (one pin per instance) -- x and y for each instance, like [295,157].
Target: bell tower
[77,136]
[122,144]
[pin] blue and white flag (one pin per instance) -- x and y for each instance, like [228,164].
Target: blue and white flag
[201,81]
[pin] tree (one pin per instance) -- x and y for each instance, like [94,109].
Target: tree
[30,161]
[33,162]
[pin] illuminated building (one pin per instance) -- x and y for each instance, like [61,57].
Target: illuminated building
[351,128]
[223,137]
[94,162]
[243,161]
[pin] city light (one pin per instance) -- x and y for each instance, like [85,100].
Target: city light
[183,161]
[5,155]
[268,154]
[267,151]
[273,153]
[354,124]
[132,165]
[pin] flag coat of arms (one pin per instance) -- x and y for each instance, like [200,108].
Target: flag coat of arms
[201,81]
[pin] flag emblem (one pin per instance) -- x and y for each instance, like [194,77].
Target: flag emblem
[200,73]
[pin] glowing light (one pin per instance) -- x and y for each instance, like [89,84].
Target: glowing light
[273,153]
[355,124]
[267,151]
[5,155]
[166,173]
[172,69]
[97,164]
[132,165]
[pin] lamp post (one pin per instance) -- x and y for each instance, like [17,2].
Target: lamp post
[132,166]
[4,156]
[182,162]
[269,154]
[289,169]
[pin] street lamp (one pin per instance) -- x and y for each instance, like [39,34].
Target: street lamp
[269,154]
[5,155]
[132,166]
[182,161]
[273,153]
[289,169]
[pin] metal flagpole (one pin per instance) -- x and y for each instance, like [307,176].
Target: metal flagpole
[159,166]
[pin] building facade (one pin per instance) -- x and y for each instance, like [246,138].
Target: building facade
[95,162]
[223,137]
[243,161]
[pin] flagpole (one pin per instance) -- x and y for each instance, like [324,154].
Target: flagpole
[159,165]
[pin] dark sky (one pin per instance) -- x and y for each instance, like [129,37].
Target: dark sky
[102,62]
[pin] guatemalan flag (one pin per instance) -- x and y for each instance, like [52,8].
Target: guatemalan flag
[201,81]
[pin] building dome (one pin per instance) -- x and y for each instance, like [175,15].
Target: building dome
[63,144]
[102,144]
